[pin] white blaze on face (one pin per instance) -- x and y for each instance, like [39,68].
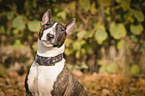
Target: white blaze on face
[50,30]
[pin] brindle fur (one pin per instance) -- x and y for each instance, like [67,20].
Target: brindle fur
[67,85]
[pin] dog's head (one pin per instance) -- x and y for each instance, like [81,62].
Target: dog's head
[53,34]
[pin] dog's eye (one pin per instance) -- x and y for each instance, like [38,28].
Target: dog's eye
[47,24]
[62,29]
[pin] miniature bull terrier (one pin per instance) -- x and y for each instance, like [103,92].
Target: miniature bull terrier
[49,75]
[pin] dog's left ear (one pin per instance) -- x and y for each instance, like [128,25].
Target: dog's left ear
[46,17]
[69,26]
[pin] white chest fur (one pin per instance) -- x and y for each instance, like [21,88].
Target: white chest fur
[41,78]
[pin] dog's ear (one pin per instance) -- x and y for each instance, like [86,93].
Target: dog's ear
[69,26]
[46,17]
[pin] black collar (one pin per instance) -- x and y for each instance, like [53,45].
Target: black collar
[48,61]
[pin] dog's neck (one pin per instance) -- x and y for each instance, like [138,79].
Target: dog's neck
[49,51]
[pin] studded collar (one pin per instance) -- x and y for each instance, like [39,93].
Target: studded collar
[48,61]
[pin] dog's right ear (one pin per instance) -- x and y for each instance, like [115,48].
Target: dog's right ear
[69,26]
[46,17]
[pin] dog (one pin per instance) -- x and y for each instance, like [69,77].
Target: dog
[49,75]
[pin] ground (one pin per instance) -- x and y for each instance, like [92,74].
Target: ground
[96,84]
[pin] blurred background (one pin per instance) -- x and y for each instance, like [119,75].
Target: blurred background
[106,50]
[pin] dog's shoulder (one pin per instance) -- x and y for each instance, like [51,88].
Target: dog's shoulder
[67,85]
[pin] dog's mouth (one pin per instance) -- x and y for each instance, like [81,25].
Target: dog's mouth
[47,43]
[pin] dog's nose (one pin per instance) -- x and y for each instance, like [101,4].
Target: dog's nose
[50,36]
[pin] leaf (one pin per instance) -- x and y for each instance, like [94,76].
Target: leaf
[134,69]
[98,26]
[93,8]
[85,4]
[142,49]
[133,38]
[107,11]
[68,51]
[83,66]
[88,49]
[120,44]
[62,14]
[125,4]
[82,42]
[2,29]
[81,34]
[117,31]
[34,26]
[129,17]
[78,54]
[136,29]
[17,45]
[10,15]
[19,23]
[101,62]
[106,92]
[67,42]
[34,46]
[118,1]
[104,2]
[112,68]
[2,70]
[101,35]
[143,4]
[30,37]
[34,3]
[103,68]
[76,45]
[83,51]
[72,5]
[89,34]
[139,16]
[15,31]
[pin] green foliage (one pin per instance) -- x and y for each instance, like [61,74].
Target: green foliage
[85,4]
[78,67]
[35,46]
[120,44]
[34,26]
[2,70]
[136,29]
[17,45]
[139,16]
[62,15]
[19,23]
[104,2]
[125,4]
[76,45]
[10,15]
[106,67]
[101,35]
[112,68]
[117,30]
[99,24]
[2,29]
[134,69]
[82,34]
[93,8]
[134,38]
